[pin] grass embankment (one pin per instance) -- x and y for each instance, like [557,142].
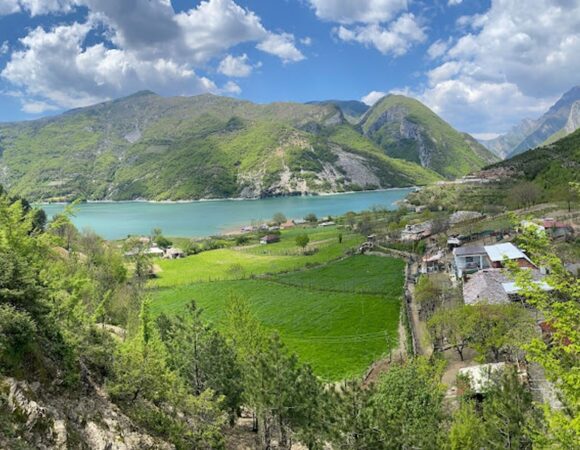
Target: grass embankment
[336,317]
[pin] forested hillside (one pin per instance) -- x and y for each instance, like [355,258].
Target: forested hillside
[552,167]
[152,147]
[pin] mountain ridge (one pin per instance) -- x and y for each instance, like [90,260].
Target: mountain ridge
[174,148]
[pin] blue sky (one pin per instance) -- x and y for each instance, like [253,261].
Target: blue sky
[482,65]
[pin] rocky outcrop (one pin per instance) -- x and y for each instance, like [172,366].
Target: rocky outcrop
[61,420]
[573,122]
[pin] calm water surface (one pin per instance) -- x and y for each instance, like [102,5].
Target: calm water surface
[119,219]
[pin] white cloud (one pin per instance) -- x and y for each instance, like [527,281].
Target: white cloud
[235,66]
[306,41]
[55,67]
[231,88]
[512,62]
[454,2]
[282,46]
[397,39]
[437,49]
[4,48]
[359,11]
[372,97]
[36,7]
[37,107]
[146,46]
[9,7]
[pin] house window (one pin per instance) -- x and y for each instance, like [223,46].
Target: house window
[469,259]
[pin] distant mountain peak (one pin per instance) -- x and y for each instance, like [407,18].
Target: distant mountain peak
[557,122]
[406,128]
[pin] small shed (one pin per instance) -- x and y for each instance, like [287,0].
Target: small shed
[481,377]
[174,253]
[453,242]
[432,263]
[269,239]
[155,251]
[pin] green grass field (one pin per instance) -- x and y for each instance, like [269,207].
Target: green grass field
[231,264]
[336,317]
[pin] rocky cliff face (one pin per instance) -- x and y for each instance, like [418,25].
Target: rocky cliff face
[573,122]
[404,128]
[57,421]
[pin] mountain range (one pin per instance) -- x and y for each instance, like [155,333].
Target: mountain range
[560,120]
[146,146]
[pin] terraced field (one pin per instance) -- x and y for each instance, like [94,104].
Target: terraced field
[338,316]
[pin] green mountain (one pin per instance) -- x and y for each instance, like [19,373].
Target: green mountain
[151,147]
[552,166]
[405,128]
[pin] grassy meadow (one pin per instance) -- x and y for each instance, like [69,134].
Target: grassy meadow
[336,315]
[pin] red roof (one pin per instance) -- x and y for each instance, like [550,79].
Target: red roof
[551,223]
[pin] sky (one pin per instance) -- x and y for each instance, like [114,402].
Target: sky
[482,65]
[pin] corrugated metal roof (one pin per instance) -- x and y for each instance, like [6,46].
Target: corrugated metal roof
[469,250]
[507,250]
[511,287]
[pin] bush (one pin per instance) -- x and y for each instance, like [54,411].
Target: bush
[242,239]
[17,331]
[311,218]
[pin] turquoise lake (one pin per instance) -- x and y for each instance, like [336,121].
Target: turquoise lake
[117,220]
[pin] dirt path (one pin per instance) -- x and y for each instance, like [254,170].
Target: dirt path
[424,346]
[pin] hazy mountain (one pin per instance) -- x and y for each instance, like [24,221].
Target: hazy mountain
[405,128]
[152,147]
[504,144]
[561,119]
[353,110]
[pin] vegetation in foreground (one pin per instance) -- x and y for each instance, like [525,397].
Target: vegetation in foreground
[74,323]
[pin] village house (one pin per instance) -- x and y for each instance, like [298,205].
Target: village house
[416,232]
[326,224]
[494,286]
[269,239]
[174,253]
[557,230]
[500,252]
[287,224]
[155,251]
[473,258]
[469,259]
[432,263]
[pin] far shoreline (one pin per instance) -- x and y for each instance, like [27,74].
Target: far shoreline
[226,199]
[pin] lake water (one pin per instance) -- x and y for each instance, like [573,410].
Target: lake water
[116,220]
